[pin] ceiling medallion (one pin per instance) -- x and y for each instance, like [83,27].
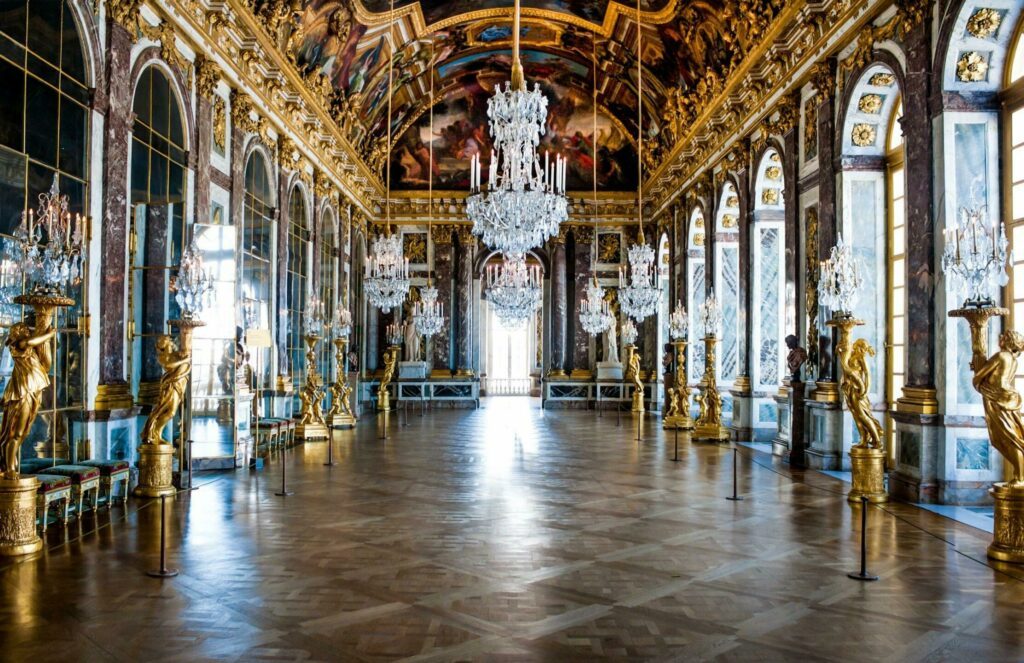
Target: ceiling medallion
[882,79]
[863,135]
[870,103]
[773,172]
[523,203]
[984,23]
[971,67]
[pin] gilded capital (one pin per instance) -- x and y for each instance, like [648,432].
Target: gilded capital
[207,76]
[441,233]
[125,13]
[823,79]
[466,236]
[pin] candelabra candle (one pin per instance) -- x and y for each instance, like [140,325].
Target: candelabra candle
[193,284]
[629,332]
[976,256]
[840,279]
[678,322]
[313,317]
[50,247]
[341,324]
[710,315]
[394,334]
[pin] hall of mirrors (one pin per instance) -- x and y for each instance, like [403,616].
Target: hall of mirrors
[230,229]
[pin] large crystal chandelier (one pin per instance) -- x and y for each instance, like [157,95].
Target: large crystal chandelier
[523,202]
[976,254]
[193,284]
[595,314]
[50,247]
[639,293]
[386,275]
[514,290]
[840,279]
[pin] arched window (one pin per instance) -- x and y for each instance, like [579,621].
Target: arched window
[44,133]
[1013,131]
[256,255]
[695,293]
[157,194]
[896,331]
[327,285]
[769,304]
[727,290]
[298,283]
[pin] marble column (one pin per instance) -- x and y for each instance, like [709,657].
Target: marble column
[441,236]
[283,380]
[204,144]
[791,268]
[558,306]
[742,424]
[582,250]
[464,302]
[113,392]
[827,228]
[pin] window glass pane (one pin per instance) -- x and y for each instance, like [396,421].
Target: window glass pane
[1017,172]
[1017,67]
[897,332]
[72,138]
[898,235]
[13,14]
[897,362]
[12,111]
[140,172]
[41,106]
[158,177]
[141,105]
[12,190]
[161,101]
[897,183]
[1017,125]
[1018,200]
[71,59]
[44,29]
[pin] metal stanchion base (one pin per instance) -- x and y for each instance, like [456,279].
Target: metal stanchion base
[162,573]
[865,577]
[735,498]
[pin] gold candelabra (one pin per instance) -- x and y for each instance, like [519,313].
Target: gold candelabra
[709,426]
[311,424]
[340,415]
[156,454]
[390,361]
[32,355]
[994,380]
[867,457]
[678,413]
[633,375]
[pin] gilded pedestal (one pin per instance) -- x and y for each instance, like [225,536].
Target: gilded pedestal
[311,424]
[868,478]
[678,414]
[340,415]
[155,475]
[390,362]
[1008,533]
[709,426]
[18,516]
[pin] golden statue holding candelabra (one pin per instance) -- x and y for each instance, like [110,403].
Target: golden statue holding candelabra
[340,415]
[390,362]
[50,251]
[678,413]
[708,427]
[311,424]
[638,383]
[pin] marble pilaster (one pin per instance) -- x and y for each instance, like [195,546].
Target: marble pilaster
[827,228]
[742,425]
[464,302]
[204,144]
[558,306]
[281,271]
[582,251]
[441,236]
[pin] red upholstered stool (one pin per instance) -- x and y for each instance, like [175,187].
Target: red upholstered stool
[111,472]
[53,488]
[83,479]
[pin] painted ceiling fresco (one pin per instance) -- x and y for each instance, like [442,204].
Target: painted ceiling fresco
[689,48]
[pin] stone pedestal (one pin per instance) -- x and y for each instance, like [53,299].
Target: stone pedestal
[341,421]
[155,470]
[609,370]
[783,418]
[1008,533]
[868,468]
[311,431]
[638,402]
[412,370]
[18,517]
[710,433]
[797,427]
[824,436]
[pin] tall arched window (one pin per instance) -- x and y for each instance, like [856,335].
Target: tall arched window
[327,285]
[896,332]
[298,282]
[44,133]
[256,255]
[1013,165]
[695,293]
[769,308]
[727,290]
[157,193]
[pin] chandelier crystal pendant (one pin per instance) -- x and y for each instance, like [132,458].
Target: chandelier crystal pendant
[514,290]
[595,314]
[386,274]
[193,284]
[711,316]
[629,332]
[523,202]
[976,254]
[678,322]
[840,280]
[313,317]
[640,292]
[50,246]
[428,313]
[341,323]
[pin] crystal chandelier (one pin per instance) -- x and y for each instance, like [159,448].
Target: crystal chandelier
[193,284]
[313,317]
[976,255]
[386,275]
[514,289]
[840,280]
[428,313]
[595,314]
[50,247]
[678,322]
[710,315]
[523,203]
[639,293]
[629,332]
[341,323]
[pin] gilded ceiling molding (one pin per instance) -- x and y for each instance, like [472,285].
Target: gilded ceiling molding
[207,76]
[165,34]
[823,79]
[242,112]
[125,13]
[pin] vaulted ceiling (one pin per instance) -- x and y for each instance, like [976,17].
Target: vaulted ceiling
[463,49]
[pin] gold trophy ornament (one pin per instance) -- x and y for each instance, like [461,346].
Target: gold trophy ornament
[390,361]
[50,250]
[677,416]
[340,415]
[708,427]
[193,288]
[312,425]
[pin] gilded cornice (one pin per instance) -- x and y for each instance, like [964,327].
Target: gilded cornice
[207,76]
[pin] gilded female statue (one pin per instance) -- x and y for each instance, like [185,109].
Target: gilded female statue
[994,381]
[312,407]
[855,385]
[634,372]
[177,366]
[390,360]
[24,390]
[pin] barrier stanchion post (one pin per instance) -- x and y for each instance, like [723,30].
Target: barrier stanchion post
[735,497]
[675,459]
[284,492]
[163,571]
[863,575]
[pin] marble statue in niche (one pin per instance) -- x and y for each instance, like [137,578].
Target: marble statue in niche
[412,341]
[611,344]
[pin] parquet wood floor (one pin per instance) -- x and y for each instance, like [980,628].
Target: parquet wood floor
[511,534]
